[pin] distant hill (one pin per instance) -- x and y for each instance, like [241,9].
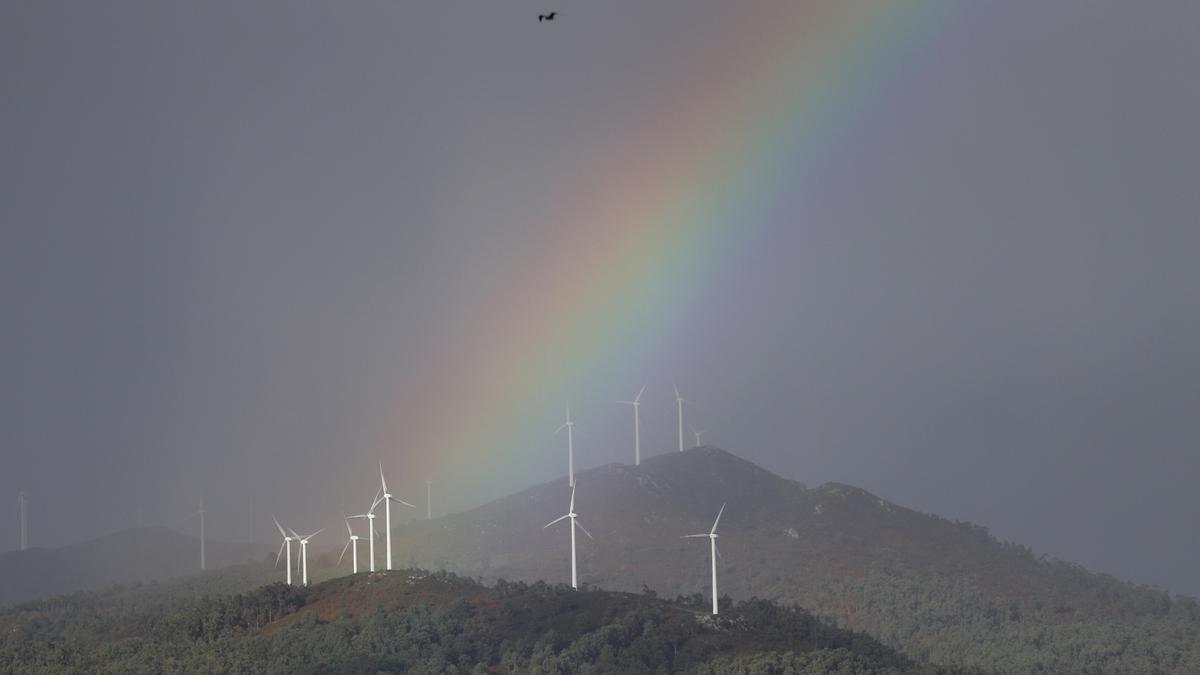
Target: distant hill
[414,621]
[939,590]
[127,556]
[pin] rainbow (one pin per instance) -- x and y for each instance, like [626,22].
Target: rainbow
[764,109]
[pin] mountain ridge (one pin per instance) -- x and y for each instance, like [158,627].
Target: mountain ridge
[126,556]
[841,551]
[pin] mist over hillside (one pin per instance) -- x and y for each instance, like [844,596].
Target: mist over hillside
[937,589]
[128,556]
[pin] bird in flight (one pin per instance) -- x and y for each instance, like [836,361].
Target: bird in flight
[547,17]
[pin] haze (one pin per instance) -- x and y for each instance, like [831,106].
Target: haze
[237,238]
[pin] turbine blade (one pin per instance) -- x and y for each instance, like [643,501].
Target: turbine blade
[560,428]
[589,534]
[401,501]
[344,549]
[689,536]
[281,532]
[314,534]
[639,396]
[718,550]
[347,522]
[555,521]
[718,519]
[382,481]
[571,509]
[278,554]
[293,533]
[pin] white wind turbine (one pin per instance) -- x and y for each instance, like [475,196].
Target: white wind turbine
[353,540]
[287,541]
[570,427]
[637,433]
[679,401]
[574,524]
[303,562]
[200,513]
[697,434]
[369,516]
[387,500]
[23,508]
[712,538]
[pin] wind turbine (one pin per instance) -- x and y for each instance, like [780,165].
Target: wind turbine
[570,427]
[303,562]
[352,540]
[200,513]
[574,524]
[23,508]
[369,516]
[387,500]
[679,401]
[712,537]
[287,541]
[202,559]
[697,434]
[637,433]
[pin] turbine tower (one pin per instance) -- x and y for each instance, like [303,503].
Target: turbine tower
[353,540]
[287,541]
[387,499]
[303,562]
[23,507]
[679,401]
[200,512]
[574,524]
[369,516]
[637,433]
[570,427]
[203,564]
[697,434]
[712,538]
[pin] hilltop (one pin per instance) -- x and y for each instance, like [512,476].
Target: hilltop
[934,590]
[413,620]
[124,557]
[939,590]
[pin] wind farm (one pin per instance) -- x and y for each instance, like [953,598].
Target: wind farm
[892,303]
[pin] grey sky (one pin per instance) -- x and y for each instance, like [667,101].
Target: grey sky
[229,229]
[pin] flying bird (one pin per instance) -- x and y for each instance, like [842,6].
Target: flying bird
[547,17]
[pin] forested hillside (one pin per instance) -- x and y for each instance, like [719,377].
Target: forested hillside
[415,621]
[939,590]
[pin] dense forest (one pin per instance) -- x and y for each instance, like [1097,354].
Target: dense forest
[411,620]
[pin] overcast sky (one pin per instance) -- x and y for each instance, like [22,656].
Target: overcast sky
[231,233]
